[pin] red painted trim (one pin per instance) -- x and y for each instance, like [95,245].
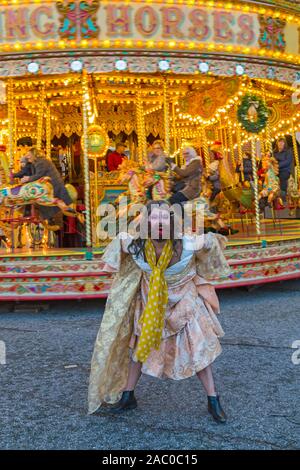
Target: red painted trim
[263,260]
[51,275]
[230,285]
[20,298]
[252,282]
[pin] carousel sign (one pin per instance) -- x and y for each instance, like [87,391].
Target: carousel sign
[184,26]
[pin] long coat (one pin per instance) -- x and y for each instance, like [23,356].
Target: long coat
[41,168]
[191,176]
[27,170]
[285,160]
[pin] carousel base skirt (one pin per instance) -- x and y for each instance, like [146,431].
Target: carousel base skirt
[71,274]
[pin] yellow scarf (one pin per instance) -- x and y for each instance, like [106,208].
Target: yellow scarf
[153,316]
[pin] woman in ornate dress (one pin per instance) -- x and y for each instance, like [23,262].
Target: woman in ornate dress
[160,316]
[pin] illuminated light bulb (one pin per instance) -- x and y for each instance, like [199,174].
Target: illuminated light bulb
[121,65]
[33,67]
[203,67]
[164,65]
[240,70]
[76,65]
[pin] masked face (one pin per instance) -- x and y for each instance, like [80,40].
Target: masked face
[159,223]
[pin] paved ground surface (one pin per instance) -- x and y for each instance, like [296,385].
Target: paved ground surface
[43,402]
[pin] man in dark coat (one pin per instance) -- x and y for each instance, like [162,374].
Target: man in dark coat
[26,169]
[41,168]
[284,156]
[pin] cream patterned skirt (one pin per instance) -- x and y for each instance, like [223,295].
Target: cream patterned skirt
[190,336]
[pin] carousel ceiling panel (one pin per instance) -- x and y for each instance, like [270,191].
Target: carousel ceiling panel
[205,102]
[68,121]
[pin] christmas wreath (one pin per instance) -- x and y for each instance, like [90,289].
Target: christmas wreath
[252,113]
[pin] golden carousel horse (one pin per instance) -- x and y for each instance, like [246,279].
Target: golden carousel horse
[293,195]
[39,192]
[144,184]
[36,192]
[231,187]
[271,186]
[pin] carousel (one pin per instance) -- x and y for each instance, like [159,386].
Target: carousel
[79,79]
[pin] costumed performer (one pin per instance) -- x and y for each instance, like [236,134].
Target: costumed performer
[160,316]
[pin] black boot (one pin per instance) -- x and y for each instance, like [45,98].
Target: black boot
[127,402]
[215,409]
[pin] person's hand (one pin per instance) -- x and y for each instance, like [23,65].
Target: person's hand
[25,179]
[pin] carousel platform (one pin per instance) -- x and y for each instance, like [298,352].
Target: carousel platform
[71,274]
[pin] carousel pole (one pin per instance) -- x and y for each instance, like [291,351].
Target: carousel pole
[205,148]
[48,132]
[231,148]
[222,136]
[226,153]
[166,117]
[140,119]
[40,119]
[85,94]
[240,150]
[175,144]
[11,144]
[296,155]
[268,141]
[255,181]
[11,124]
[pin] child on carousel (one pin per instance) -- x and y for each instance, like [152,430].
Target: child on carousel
[160,316]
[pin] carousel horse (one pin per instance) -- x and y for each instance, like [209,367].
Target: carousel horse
[229,179]
[271,186]
[159,183]
[132,174]
[231,187]
[293,195]
[144,183]
[36,192]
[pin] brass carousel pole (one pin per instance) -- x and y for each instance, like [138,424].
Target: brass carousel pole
[296,155]
[48,132]
[226,153]
[11,143]
[255,181]
[40,119]
[205,148]
[85,96]
[11,123]
[175,144]
[240,149]
[268,141]
[140,120]
[166,117]
[222,136]
[231,148]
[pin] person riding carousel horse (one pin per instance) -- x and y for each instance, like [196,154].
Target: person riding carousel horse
[44,188]
[43,168]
